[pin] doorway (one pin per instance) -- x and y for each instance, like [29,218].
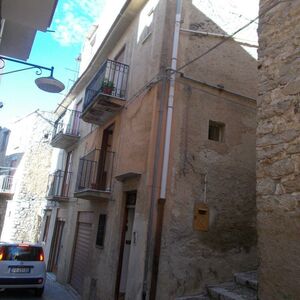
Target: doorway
[82,250]
[106,159]
[125,247]
[66,175]
[56,245]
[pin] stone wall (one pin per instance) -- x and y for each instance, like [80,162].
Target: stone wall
[25,211]
[3,205]
[278,151]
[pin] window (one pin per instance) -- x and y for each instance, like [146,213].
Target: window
[101,230]
[216,131]
[4,140]
[146,21]
[21,253]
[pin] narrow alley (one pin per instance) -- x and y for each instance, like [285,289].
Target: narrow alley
[53,290]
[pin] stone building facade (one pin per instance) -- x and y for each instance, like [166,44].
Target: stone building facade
[278,151]
[131,215]
[29,152]
[4,184]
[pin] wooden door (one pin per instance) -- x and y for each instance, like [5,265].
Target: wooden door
[105,160]
[56,245]
[125,245]
[66,176]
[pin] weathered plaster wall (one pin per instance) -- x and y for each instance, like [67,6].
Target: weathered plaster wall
[229,65]
[133,141]
[191,259]
[278,152]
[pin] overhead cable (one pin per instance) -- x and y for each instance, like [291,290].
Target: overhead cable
[229,36]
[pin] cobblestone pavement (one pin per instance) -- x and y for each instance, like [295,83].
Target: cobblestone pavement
[53,291]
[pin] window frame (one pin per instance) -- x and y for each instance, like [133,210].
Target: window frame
[216,126]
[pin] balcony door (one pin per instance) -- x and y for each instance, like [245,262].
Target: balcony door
[106,159]
[120,74]
[66,176]
[75,125]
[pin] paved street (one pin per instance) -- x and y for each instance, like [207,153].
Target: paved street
[53,291]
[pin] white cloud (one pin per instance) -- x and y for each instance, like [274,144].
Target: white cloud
[75,19]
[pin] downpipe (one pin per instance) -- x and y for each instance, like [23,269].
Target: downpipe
[171,100]
[149,248]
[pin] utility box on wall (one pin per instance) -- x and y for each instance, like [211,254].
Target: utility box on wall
[201,217]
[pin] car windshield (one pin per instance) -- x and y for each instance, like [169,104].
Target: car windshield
[20,253]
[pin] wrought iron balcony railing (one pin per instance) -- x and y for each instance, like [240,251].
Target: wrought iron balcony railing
[111,80]
[68,123]
[58,185]
[66,130]
[95,171]
[6,183]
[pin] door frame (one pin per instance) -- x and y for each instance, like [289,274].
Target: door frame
[122,241]
[101,178]
[82,217]
[56,244]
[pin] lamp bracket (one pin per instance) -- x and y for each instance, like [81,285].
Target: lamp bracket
[32,66]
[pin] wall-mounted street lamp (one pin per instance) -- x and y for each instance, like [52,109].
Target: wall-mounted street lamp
[47,84]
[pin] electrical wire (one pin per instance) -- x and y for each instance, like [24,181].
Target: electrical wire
[218,97]
[229,36]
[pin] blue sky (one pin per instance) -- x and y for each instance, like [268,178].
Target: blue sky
[60,49]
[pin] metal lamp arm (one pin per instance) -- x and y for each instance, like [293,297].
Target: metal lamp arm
[3,58]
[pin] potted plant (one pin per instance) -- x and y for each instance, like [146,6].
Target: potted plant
[107,87]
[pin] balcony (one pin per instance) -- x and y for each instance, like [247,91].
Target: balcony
[94,181]
[6,184]
[105,95]
[66,130]
[58,186]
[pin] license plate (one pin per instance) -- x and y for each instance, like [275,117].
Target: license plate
[19,270]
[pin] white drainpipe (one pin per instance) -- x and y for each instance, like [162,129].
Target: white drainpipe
[171,100]
[167,140]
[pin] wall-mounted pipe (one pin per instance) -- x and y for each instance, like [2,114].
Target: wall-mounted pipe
[150,291]
[171,100]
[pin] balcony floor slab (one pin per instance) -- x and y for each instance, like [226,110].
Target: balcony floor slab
[91,194]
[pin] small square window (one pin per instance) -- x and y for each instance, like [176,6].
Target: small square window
[216,131]
[101,230]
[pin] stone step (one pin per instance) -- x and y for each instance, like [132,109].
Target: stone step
[231,291]
[248,279]
[195,297]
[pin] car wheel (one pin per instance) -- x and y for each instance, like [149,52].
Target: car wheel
[39,292]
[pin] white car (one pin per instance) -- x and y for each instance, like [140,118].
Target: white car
[22,265]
